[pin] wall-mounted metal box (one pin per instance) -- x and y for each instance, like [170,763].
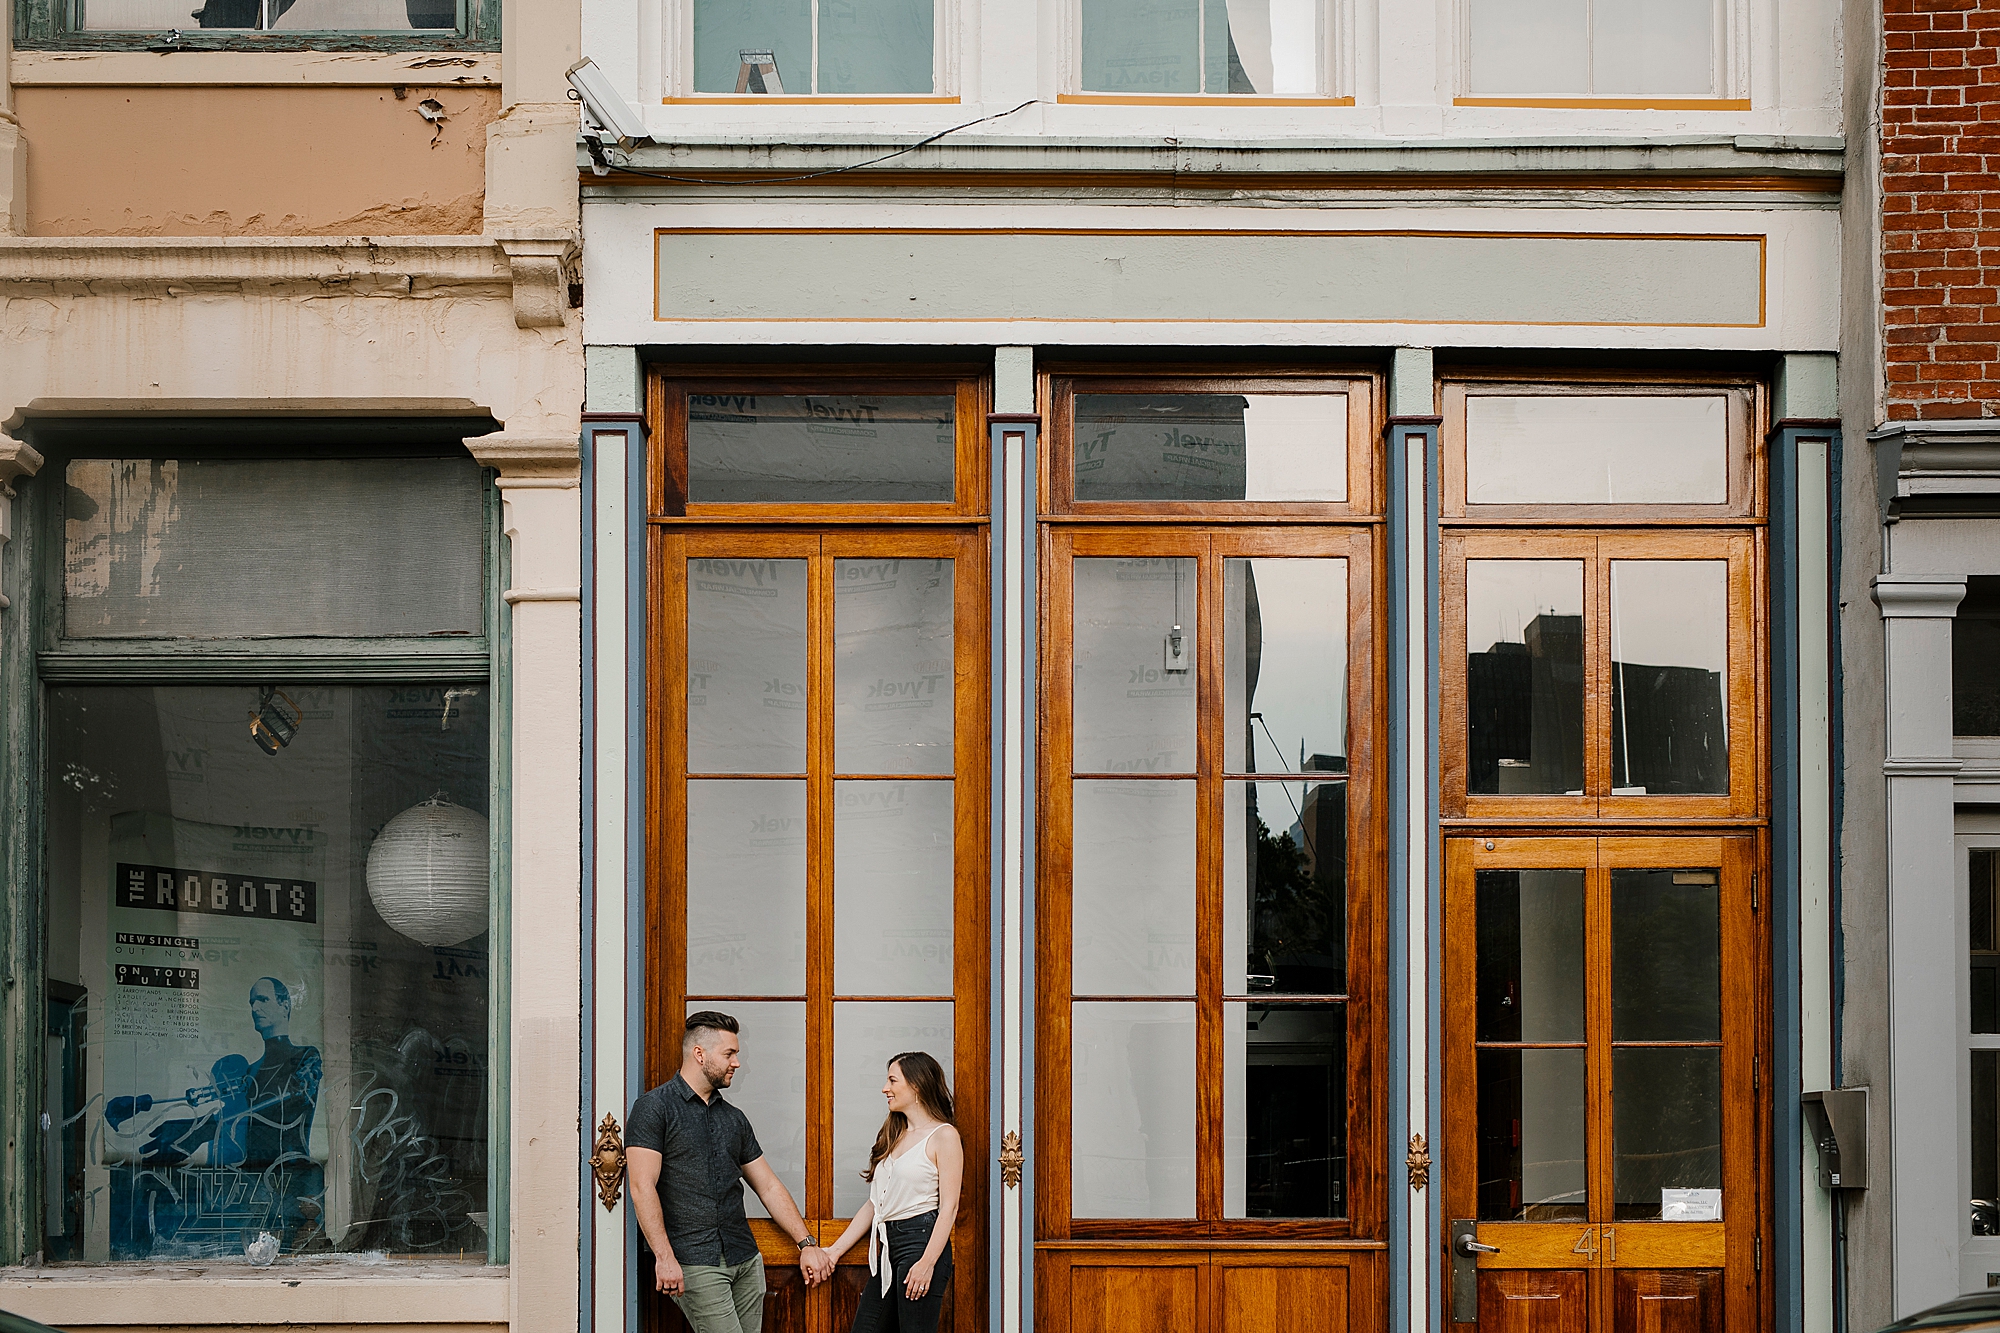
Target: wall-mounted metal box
[1839,1120]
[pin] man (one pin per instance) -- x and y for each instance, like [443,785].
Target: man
[687,1152]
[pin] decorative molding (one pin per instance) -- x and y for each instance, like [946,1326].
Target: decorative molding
[1939,464]
[209,665]
[1012,1159]
[387,266]
[1419,1162]
[1918,596]
[1922,766]
[249,69]
[607,1161]
[514,596]
[542,261]
[520,455]
[17,460]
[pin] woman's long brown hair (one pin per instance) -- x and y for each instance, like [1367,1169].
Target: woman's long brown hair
[926,1078]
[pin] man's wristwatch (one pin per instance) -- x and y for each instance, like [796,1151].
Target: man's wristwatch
[806,1242]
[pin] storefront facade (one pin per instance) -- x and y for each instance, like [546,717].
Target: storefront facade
[1298,669]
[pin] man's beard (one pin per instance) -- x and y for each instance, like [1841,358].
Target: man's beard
[718,1074]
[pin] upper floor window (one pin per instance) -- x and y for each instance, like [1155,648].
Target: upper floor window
[1202,47]
[1540,49]
[1975,639]
[261,24]
[772,48]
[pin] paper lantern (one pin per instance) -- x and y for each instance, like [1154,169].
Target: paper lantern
[427,873]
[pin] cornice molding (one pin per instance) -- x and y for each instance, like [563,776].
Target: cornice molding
[1940,462]
[518,454]
[17,460]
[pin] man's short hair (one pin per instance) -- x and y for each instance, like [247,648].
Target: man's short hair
[279,990]
[708,1021]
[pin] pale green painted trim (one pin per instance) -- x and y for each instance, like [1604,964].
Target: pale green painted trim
[1412,391]
[1806,387]
[613,380]
[1014,380]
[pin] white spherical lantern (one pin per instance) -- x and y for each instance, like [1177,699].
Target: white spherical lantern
[427,873]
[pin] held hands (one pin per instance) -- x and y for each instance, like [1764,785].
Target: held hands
[918,1284]
[816,1265]
[667,1277]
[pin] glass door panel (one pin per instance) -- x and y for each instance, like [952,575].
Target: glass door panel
[1599,1050]
[1196,913]
[819,852]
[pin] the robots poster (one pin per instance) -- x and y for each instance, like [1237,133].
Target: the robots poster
[211,1060]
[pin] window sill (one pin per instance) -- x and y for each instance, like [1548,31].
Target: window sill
[1211,99]
[305,1291]
[426,67]
[808,99]
[1613,103]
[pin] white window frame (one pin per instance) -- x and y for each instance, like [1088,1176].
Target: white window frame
[1729,67]
[1334,80]
[677,60]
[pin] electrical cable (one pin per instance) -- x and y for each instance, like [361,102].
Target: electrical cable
[596,150]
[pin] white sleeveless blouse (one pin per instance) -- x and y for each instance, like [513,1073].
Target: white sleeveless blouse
[905,1186]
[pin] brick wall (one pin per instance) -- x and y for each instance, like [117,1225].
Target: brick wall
[1941,208]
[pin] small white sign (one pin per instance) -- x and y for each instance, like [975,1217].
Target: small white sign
[1690,1205]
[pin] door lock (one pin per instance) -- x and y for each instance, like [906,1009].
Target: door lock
[1465,1249]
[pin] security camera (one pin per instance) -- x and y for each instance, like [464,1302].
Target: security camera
[606,106]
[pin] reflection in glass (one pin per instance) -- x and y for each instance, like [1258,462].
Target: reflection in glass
[160,548]
[1603,449]
[822,448]
[1531,1144]
[1210,446]
[1669,658]
[1284,666]
[1284,888]
[1666,1124]
[1132,1091]
[1284,1110]
[1577,47]
[1135,639]
[1985,1143]
[865,1036]
[1524,676]
[252,995]
[876,46]
[1212,46]
[1983,961]
[892,666]
[771,1086]
[1666,955]
[892,888]
[1132,901]
[746,666]
[1975,658]
[746,887]
[1529,925]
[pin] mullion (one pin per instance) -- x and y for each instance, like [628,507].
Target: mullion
[1208,933]
[818,1202]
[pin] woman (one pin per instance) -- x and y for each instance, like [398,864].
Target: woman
[914,1174]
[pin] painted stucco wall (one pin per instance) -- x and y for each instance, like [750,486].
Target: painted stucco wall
[207,161]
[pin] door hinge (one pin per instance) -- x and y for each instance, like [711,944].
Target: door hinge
[1753,891]
[1760,1253]
[1756,1073]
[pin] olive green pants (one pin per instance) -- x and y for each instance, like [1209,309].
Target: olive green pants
[723,1298]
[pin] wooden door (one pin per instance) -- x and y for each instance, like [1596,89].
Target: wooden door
[1602,1070]
[817,842]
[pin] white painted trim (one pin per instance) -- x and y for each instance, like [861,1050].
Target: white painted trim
[608,1278]
[1013,761]
[1417,886]
[1815,869]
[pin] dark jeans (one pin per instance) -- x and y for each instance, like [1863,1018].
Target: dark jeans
[878,1313]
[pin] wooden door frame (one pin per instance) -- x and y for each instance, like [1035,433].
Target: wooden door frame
[1742,858]
[673,542]
[1367,904]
